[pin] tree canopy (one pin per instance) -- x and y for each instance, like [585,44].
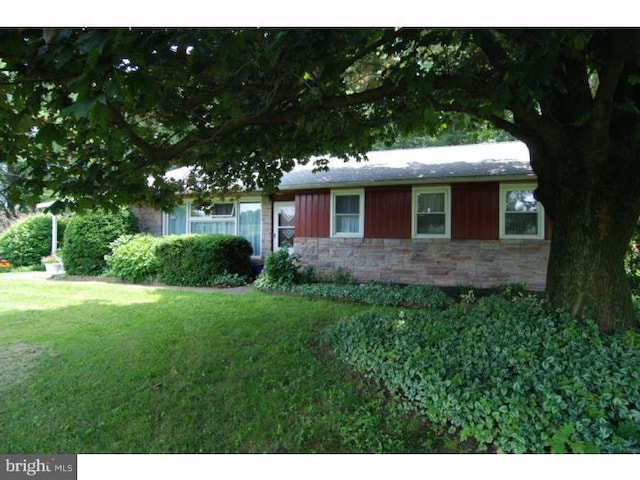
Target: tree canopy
[93,114]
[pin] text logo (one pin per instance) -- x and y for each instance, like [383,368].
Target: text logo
[41,467]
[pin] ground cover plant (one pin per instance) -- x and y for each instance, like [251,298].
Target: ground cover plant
[92,367]
[508,372]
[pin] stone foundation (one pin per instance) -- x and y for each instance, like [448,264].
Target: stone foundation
[443,263]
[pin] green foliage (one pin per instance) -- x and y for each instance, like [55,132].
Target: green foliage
[510,374]
[133,257]
[454,129]
[229,280]
[88,239]
[341,276]
[632,262]
[28,239]
[280,269]
[197,260]
[370,293]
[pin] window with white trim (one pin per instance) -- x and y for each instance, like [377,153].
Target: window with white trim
[347,213]
[521,215]
[229,217]
[431,212]
[219,218]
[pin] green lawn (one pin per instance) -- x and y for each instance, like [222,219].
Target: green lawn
[92,367]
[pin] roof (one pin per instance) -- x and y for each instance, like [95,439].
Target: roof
[415,165]
[422,165]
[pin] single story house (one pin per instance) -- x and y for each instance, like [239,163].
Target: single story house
[446,216]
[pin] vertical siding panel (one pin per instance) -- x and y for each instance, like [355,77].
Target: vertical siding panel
[475,211]
[387,212]
[312,214]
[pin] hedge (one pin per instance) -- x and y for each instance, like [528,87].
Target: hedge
[28,239]
[88,238]
[133,258]
[198,260]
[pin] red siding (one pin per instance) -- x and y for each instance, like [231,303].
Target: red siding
[475,211]
[312,214]
[387,212]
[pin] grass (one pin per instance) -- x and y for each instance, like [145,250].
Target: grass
[105,368]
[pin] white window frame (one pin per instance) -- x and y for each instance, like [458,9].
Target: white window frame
[446,190]
[504,188]
[338,193]
[209,218]
[219,218]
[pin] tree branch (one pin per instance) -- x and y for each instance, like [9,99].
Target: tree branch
[264,118]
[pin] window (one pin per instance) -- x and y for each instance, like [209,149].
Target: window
[347,213]
[217,219]
[250,226]
[431,212]
[176,221]
[241,218]
[521,215]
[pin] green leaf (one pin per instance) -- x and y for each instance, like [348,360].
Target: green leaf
[80,109]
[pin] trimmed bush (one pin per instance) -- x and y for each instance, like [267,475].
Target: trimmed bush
[514,375]
[133,257]
[28,239]
[197,260]
[88,237]
[280,268]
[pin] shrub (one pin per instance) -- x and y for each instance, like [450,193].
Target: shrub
[196,260]
[133,257]
[341,276]
[88,237]
[28,239]
[280,269]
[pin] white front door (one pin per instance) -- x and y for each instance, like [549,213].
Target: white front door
[284,224]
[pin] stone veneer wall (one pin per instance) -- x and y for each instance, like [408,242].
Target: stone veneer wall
[443,263]
[267,226]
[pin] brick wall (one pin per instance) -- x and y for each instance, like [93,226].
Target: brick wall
[444,263]
[149,219]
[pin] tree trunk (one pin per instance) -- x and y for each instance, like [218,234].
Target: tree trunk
[585,274]
[594,206]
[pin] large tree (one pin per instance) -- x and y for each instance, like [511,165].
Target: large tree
[92,115]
